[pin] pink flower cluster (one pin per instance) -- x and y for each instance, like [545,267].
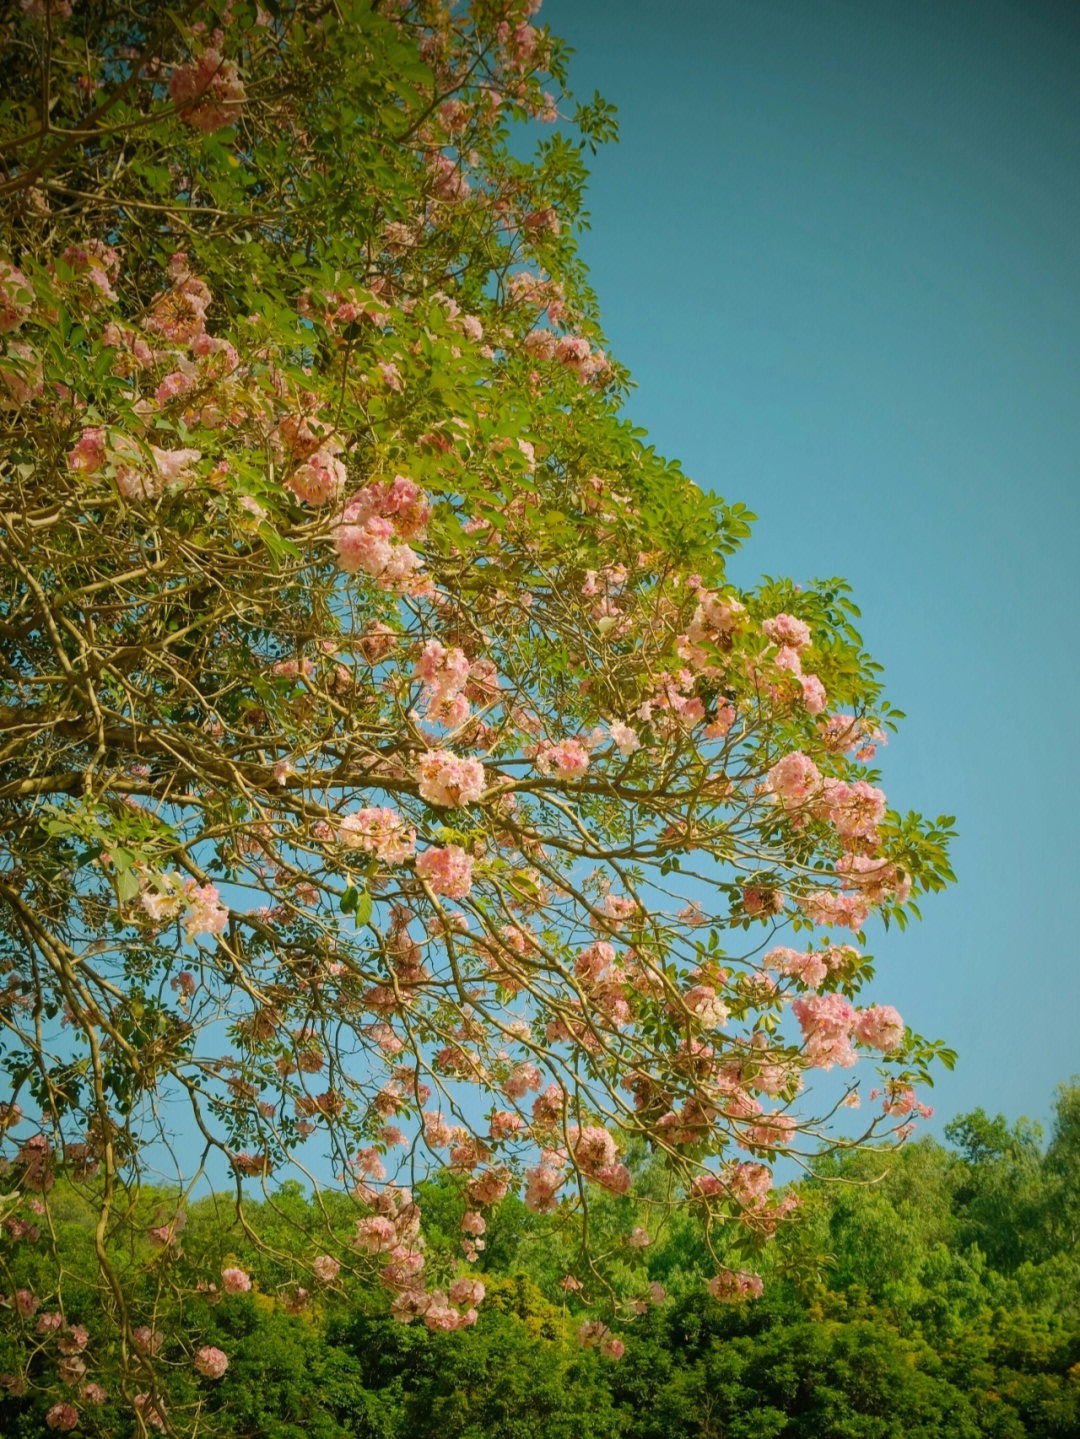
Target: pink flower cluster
[448,781]
[734,1286]
[794,780]
[444,673]
[568,758]
[594,1152]
[846,733]
[543,1181]
[205,913]
[824,907]
[201,905]
[16,297]
[448,871]
[236,1281]
[787,631]
[811,968]
[830,1024]
[378,831]
[208,91]
[880,1027]
[319,479]
[594,1334]
[401,501]
[854,810]
[827,1022]
[97,267]
[178,314]
[373,527]
[211,1362]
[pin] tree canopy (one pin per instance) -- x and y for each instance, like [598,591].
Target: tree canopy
[391,782]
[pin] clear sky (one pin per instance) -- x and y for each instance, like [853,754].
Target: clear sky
[838,245]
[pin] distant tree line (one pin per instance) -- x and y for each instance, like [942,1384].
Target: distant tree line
[948,1308]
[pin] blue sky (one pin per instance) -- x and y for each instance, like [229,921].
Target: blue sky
[838,245]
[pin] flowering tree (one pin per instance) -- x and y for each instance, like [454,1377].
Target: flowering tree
[390,781]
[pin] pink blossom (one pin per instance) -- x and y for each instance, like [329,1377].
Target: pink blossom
[758,900]
[443,671]
[899,1099]
[618,909]
[813,693]
[787,630]
[770,1132]
[540,344]
[809,969]
[793,779]
[378,831]
[95,264]
[448,781]
[178,314]
[236,1281]
[151,1409]
[21,376]
[375,1235]
[370,548]
[523,1077]
[174,385]
[173,466]
[592,1148]
[504,1125]
[703,1001]
[167,1236]
[719,726]
[466,1292]
[319,480]
[568,758]
[206,913]
[72,1370]
[40,9]
[402,1267]
[827,1022]
[211,1362]
[326,1268]
[447,871]
[62,1417]
[572,351]
[874,878]
[854,810]
[16,297]
[731,1287]
[594,1334]
[824,907]
[489,1187]
[473,1223]
[624,737]
[748,1184]
[208,91]
[401,501]
[880,1027]
[296,1301]
[375,642]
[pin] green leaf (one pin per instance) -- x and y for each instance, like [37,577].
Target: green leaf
[363,909]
